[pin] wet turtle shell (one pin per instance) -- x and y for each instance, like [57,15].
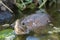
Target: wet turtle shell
[35,22]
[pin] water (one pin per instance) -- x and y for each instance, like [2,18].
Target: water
[55,14]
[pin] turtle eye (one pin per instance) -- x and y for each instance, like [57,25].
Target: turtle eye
[23,23]
[42,12]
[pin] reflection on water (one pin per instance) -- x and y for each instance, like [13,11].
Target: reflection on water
[46,37]
[32,38]
[27,38]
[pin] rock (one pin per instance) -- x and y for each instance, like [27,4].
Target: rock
[7,34]
[5,17]
[35,22]
[5,14]
[10,37]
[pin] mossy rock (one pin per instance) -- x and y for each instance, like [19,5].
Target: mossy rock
[6,33]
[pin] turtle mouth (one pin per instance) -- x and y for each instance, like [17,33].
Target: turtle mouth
[22,32]
[22,29]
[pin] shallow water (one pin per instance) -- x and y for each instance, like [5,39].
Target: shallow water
[55,14]
[54,36]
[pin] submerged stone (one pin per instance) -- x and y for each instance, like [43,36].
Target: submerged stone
[32,38]
[5,17]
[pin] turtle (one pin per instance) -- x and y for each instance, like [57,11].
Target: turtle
[37,22]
